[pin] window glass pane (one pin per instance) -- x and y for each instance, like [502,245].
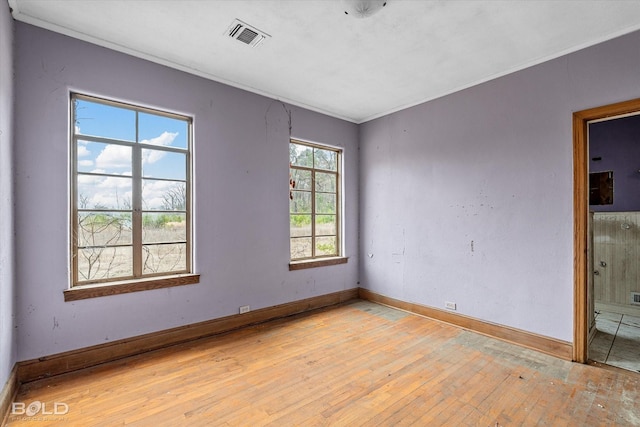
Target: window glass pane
[164,258]
[164,195]
[325,182]
[301,202]
[326,246]
[163,227]
[325,159]
[163,164]
[104,192]
[106,121]
[326,225]
[325,203]
[314,193]
[98,157]
[109,175]
[302,179]
[104,228]
[160,130]
[301,247]
[105,263]
[300,155]
[300,225]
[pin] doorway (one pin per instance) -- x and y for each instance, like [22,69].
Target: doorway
[586,316]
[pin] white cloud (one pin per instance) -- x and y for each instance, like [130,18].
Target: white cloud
[114,192]
[114,156]
[83,151]
[108,192]
[151,156]
[111,199]
[88,179]
[164,140]
[153,192]
[111,182]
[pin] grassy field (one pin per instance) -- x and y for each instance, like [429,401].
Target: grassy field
[301,244]
[103,260]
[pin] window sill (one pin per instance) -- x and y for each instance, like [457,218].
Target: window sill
[313,263]
[116,288]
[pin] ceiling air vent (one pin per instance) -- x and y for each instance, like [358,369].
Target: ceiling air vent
[246,33]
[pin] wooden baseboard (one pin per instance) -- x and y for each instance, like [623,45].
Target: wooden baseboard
[8,394]
[551,346]
[73,360]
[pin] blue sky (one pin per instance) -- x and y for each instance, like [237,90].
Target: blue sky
[117,123]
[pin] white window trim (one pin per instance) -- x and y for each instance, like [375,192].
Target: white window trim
[340,258]
[102,287]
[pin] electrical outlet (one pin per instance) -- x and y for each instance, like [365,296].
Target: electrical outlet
[245,309]
[450,305]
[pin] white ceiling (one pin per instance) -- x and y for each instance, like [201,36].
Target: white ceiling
[319,58]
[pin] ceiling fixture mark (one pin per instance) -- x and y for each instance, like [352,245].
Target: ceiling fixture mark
[363,8]
[235,30]
[246,34]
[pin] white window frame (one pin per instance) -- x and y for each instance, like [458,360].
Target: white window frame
[319,260]
[138,280]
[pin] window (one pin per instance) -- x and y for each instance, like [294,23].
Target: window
[131,204]
[314,206]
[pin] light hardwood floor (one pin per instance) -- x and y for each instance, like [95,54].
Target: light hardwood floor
[355,364]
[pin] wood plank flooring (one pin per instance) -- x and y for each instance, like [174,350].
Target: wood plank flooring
[357,364]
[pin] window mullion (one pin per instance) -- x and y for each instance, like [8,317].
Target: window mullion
[313,213]
[188,177]
[313,202]
[74,206]
[339,211]
[136,203]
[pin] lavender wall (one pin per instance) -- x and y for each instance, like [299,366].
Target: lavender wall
[617,142]
[241,196]
[468,198]
[7,287]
